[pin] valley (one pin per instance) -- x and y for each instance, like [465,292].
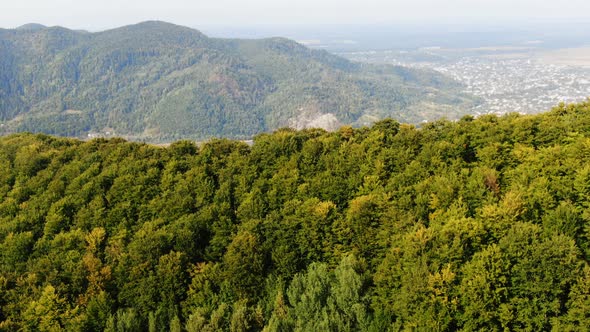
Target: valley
[522,78]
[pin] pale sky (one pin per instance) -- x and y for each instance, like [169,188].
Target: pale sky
[103,14]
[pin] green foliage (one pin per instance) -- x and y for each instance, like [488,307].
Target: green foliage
[48,313]
[243,264]
[480,224]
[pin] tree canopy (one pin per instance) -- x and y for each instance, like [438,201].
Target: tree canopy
[477,224]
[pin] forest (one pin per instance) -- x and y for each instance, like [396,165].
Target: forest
[479,224]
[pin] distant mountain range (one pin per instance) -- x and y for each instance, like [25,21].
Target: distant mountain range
[157,81]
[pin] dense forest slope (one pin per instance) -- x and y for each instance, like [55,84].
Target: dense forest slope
[480,224]
[158,81]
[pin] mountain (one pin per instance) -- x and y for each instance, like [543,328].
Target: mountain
[31,27]
[159,81]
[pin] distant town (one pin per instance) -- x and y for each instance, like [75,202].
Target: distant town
[507,79]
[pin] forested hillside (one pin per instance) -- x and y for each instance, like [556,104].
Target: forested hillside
[479,224]
[157,81]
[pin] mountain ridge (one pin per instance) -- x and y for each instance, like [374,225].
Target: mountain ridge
[31,26]
[160,81]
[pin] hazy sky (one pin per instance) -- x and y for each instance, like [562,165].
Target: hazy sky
[102,14]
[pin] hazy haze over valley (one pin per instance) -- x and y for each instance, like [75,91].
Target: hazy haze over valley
[95,15]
